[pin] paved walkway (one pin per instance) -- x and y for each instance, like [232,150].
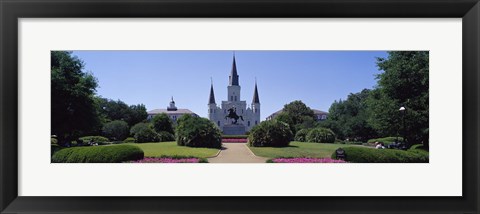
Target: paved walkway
[236,153]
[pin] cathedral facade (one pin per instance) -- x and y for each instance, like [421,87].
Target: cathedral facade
[233,116]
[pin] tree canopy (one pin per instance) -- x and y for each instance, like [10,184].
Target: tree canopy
[372,113]
[73,110]
[349,118]
[161,122]
[404,83]
[297,115]
[111,110]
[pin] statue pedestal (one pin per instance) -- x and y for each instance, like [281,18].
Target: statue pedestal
[234,129]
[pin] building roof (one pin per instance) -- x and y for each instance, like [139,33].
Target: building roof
[211,100]
[256,99]
[178,111]
[234,74]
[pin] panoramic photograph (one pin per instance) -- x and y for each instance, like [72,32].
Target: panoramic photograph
[239,106]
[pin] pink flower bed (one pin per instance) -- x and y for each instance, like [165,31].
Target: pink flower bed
[234,140]
[167,160]
[306,160]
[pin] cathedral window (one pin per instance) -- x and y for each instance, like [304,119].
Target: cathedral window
[248,123]
[256,122]
[218,123]
[231,98]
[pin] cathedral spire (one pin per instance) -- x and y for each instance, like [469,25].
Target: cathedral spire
[234,74]
[255,94]
[211,100]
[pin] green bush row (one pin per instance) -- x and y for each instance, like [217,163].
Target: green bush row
[98,154]
[370,155]
[321,135]
[129,140]
[301,135]
[96,139]
[385,140]
[316,135]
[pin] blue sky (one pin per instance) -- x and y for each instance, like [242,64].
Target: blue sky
[152,77]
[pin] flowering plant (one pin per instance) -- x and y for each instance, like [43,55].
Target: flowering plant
[305,160]
[234,140]
[168,160]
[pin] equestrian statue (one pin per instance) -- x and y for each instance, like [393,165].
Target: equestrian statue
[232,113]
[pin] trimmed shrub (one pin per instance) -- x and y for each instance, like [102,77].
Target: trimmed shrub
[145,135]
[370,155]
[116,130]
[161,122]
[197,132]
[272,133]
[98,154]
[129,140]
[385,140]
[301,135]
[418,148]
[53,141]
[137,127]
[164,136]
[321,135]
[96,139]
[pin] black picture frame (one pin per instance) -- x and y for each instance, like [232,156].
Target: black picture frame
[12,10]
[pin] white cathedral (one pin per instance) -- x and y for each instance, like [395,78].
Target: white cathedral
[234,117]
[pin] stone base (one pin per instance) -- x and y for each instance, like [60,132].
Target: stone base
[234,129]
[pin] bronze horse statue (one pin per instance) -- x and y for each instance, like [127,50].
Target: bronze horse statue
[232,113]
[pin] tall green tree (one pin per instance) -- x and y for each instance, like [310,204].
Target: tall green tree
[161,122]
[72,98]
[297,115]
[349,118]
[404,82]
[116,130]
[111,110]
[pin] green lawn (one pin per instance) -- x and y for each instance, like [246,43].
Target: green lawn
[171,149]
[299,149]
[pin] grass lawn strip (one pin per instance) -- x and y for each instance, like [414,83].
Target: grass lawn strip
[172,149]
[299,149]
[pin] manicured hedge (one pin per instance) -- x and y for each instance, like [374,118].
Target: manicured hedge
[321,135]
[98,154]
[385,140]
[271,133]
[371,155]
[301,135]
[129,140]
[96,139]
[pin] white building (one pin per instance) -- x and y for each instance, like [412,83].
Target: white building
[172,111]
[248,116]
